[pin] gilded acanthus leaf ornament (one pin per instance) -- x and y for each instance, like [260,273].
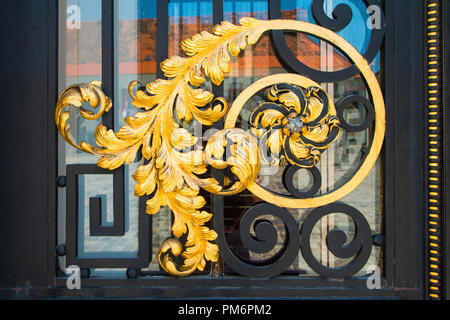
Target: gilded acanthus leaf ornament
[171,174]
[174,167]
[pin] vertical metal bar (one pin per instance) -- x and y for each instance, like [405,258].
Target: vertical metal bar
[217,18]
[435,185]
[330,155]
[217,202]
[327,161]
[162,45]
[218,91]
[162,34]
[388,203]
[108,61]
[52,168]
[61,148]
[140,45]
[408,161]
[323,168]
[446,118]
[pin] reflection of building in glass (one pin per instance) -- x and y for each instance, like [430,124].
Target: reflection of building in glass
[136,54]
[136,58]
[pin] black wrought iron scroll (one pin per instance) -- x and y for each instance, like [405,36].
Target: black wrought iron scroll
[288,182]
[359,247]
[96,229]
[352,100]
[264,241]
[257,233]
[342,15]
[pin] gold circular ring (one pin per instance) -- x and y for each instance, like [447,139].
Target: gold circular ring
[377,98]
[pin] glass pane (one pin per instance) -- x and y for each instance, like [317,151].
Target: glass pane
[135,51]
[187,18]
[255,61]
[98,246]
[135,57]
[83,51]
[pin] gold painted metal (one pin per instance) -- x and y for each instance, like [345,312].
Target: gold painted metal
[365,168]
[293,128]
[434,184]
[174,163]
[74,96]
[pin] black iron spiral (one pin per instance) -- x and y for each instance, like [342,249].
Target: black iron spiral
[359,247]
[342,16]
[264,240]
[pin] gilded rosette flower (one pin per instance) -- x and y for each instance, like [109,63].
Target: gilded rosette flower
[295,124]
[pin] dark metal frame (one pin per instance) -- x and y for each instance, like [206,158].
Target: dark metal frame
[446,143]
[404,144]
[28,227]
[118,229]
[434,139]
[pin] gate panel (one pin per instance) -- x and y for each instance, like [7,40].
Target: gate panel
[336,226]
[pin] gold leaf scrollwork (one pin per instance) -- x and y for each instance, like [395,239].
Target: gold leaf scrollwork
[244,162]
[74,96]
[171,173]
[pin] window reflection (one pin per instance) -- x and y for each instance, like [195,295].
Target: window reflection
[83,63]
[136,52]
[135,55]
[187,18]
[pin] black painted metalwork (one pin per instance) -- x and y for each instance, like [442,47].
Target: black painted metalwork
[342,18]
[72,217]
[355,101]
[359,247]
[264,241]
[132,273]
[61,250]
[108,56]
[97,210]
[61,181]
[85,273]
[378,240]
[288,177]
[96,204]
[403,166]
[162,34]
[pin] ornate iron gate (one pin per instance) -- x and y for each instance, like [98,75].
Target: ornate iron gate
[293,121]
